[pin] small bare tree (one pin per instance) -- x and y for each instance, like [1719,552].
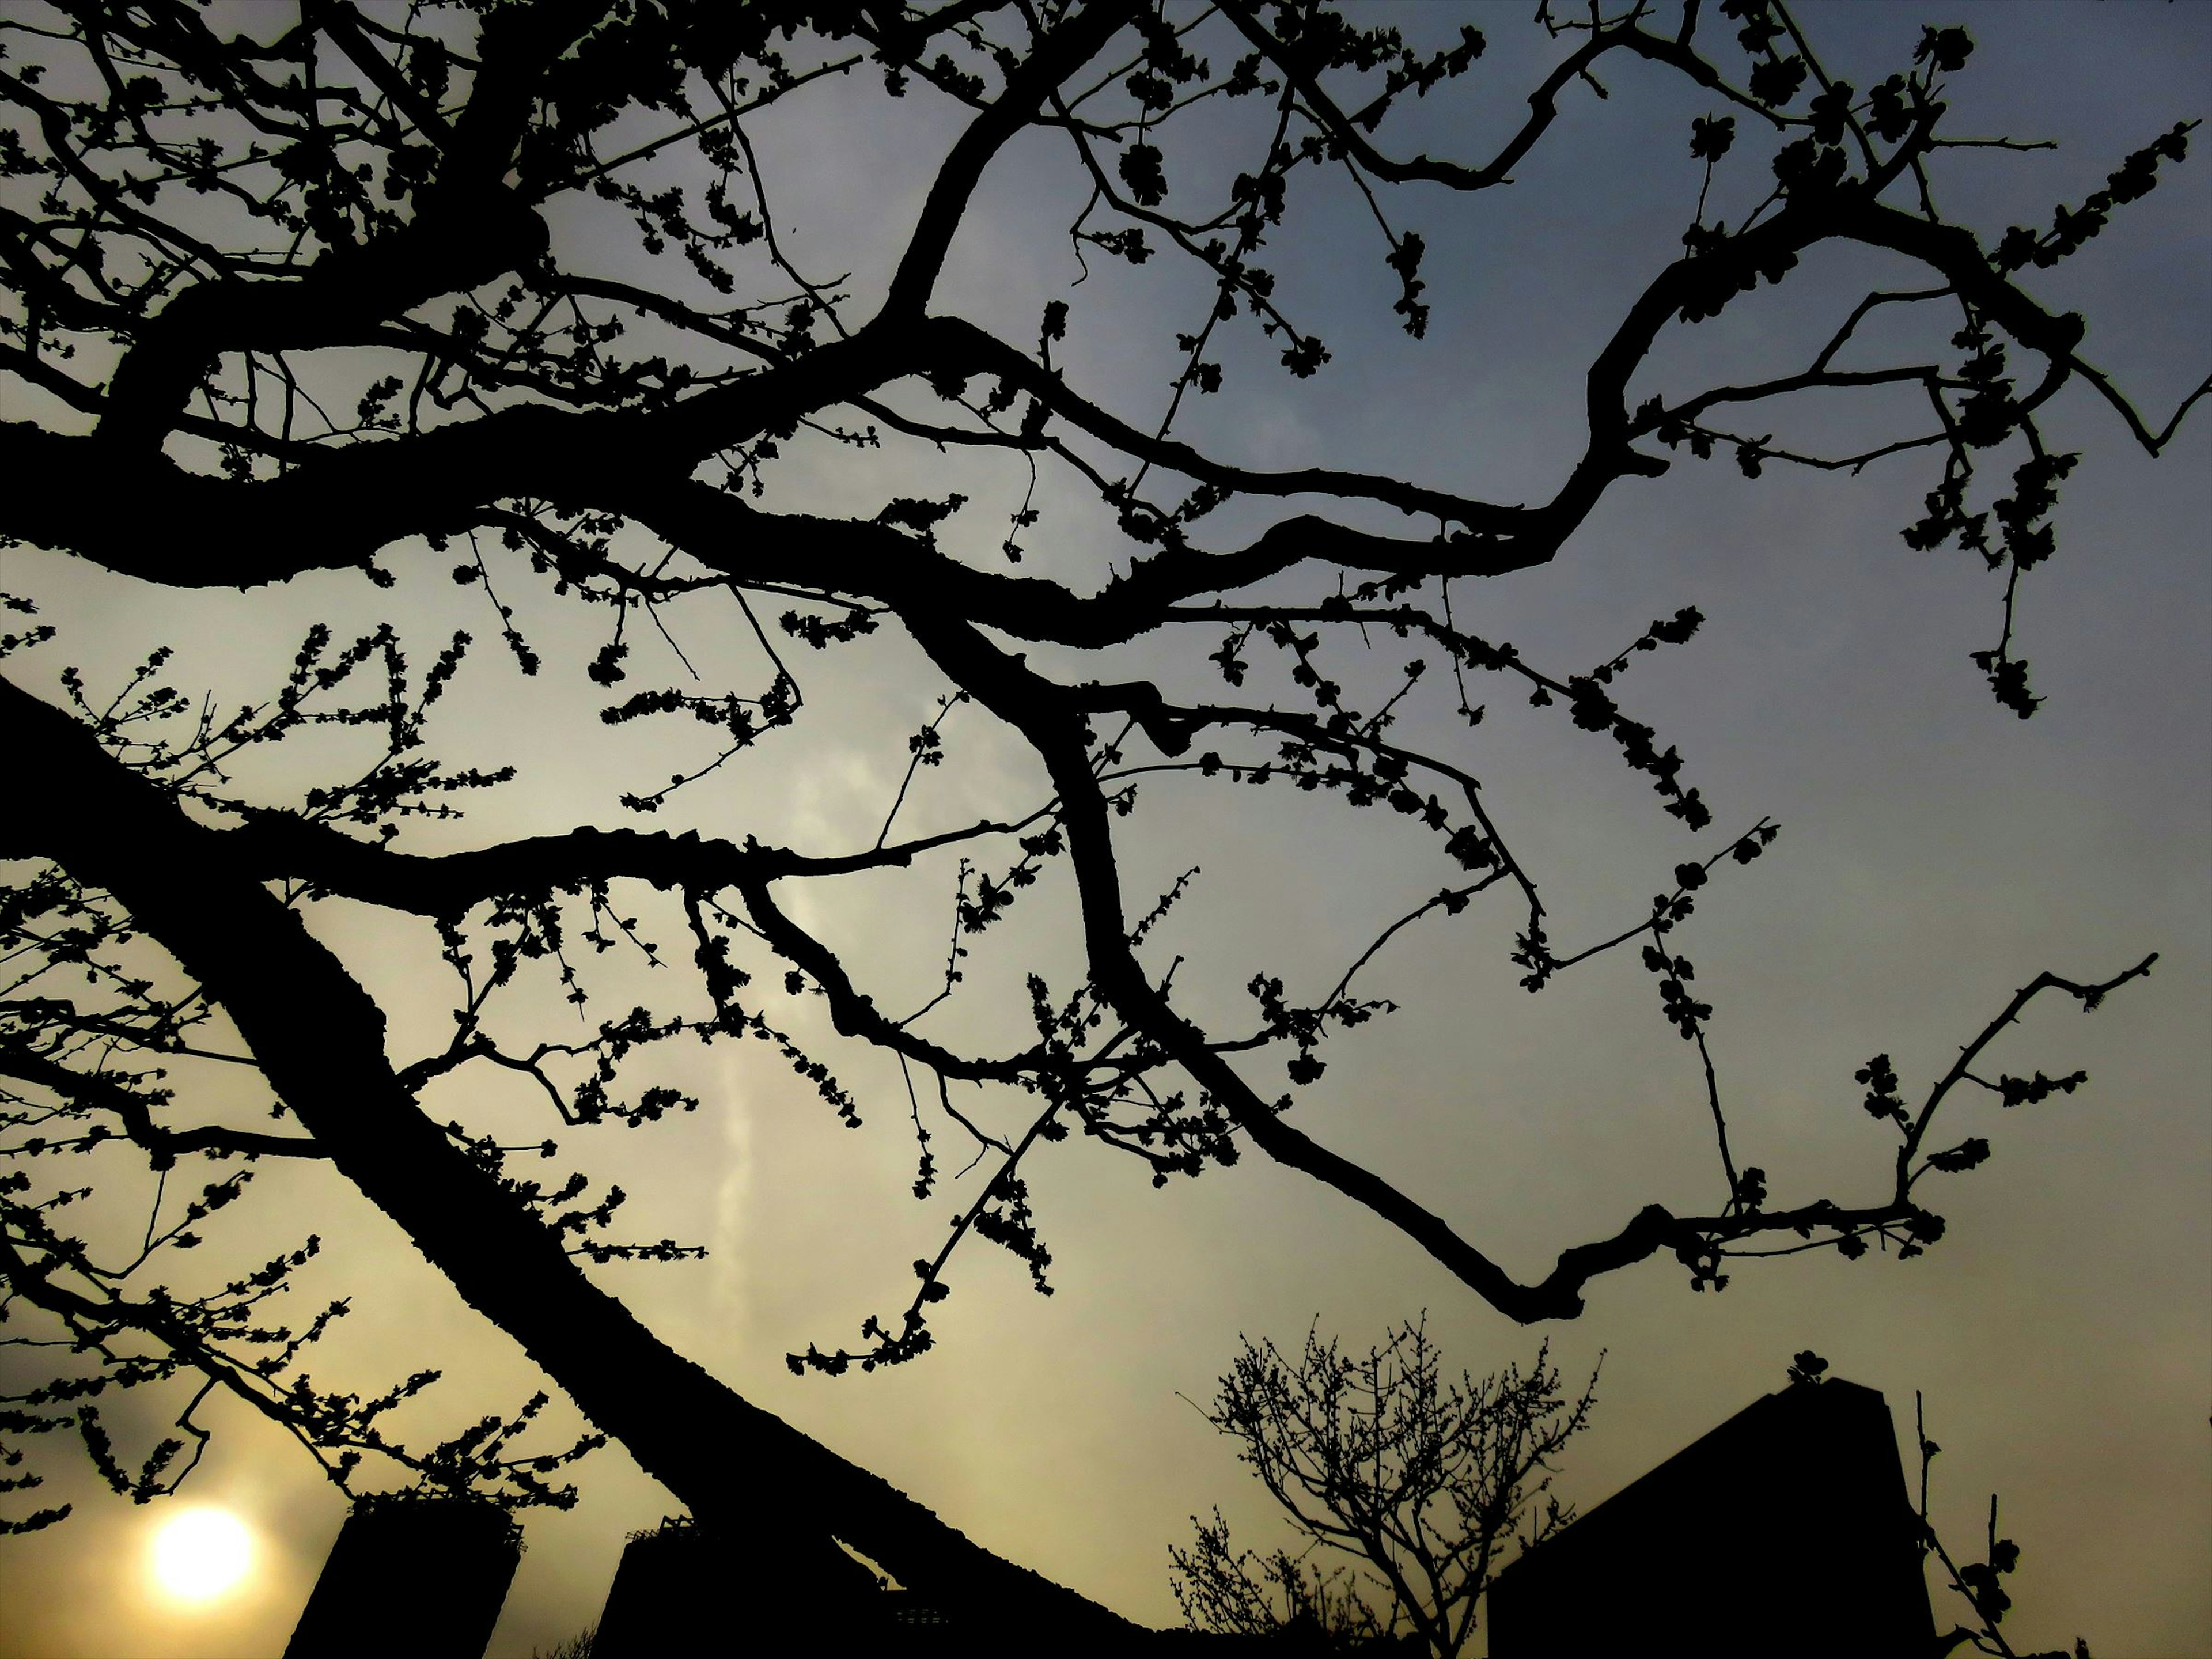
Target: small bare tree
[1430,1484]
[1283,1592]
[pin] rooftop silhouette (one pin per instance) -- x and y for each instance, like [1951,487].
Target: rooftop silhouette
[1788,1529]
[425,1576]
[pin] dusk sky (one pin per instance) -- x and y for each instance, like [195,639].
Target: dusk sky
[1936,854]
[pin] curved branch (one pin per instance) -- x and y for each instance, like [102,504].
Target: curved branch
[1054,57]
[1051,718]
[960,346]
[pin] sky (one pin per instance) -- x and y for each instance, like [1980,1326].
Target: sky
[1936,854]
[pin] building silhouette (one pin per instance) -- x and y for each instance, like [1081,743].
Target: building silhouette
[411,1574]
[1786,1530]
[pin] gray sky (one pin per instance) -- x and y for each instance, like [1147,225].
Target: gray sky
[1936,854]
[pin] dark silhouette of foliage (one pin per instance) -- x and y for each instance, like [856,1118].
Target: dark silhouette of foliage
[293,301]
[1429,1484]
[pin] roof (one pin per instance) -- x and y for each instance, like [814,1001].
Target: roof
[1792,1512]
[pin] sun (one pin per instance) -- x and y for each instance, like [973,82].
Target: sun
[202,1554]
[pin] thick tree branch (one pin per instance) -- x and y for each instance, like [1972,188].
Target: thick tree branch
[320,1043]
[1051,61]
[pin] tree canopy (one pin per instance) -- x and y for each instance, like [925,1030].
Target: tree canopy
[506,290]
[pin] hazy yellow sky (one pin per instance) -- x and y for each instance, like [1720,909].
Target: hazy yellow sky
[1937,853]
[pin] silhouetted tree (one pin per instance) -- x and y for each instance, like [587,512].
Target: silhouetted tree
[316,292]
[1431,1485]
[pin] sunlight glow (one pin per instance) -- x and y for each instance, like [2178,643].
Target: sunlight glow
[201,1555]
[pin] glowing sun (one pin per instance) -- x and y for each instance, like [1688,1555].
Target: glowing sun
[202,1554]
